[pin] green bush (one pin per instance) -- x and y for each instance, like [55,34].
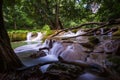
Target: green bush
[17,36]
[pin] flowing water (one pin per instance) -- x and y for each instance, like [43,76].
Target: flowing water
[68,51]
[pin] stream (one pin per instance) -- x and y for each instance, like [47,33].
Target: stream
[68,51]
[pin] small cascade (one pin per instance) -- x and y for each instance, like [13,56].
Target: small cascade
[45,44]
[110,33]
[29,36]
[80,32]
[101,31]
[68,34]
[36,39]
[39,37]
[94,34]
[57,49]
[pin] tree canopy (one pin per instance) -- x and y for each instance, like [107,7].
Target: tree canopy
[57,14]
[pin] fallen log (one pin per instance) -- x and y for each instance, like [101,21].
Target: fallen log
[101,25]
[76,27]
[80,63]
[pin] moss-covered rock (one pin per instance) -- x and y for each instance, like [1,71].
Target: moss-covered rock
[63,71]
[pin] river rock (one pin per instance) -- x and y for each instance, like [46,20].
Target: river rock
[38,54]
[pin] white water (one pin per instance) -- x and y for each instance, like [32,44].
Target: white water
[29,36]
[57,49]
[25,51]
[28,48]
[36,39]
[80,32]
[101,31]
[68,34]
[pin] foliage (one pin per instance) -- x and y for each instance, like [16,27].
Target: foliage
[34,14]
[28,13]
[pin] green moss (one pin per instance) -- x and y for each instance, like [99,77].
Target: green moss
[72,70]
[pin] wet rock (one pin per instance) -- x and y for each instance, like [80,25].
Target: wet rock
[73,52]
[38,54]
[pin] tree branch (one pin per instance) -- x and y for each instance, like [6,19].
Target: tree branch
[89,23]
[100,24]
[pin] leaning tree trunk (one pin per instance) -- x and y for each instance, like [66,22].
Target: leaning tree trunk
[8,59]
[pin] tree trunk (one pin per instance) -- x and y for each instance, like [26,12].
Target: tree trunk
[53,23]
[57,20]
[8,59]
[15,25]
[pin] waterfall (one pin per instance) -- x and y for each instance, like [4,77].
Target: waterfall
[94,34]
[68,34]
[101,31]
[29,36]
[36,39]
[80,32]
[57,49]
